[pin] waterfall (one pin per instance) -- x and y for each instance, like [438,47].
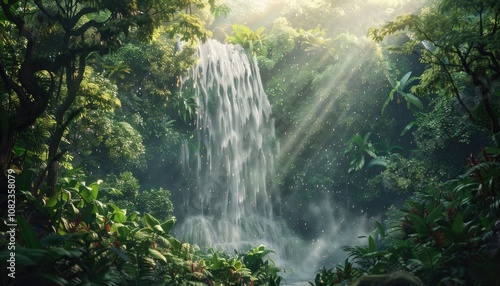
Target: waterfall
[229,165]
[230,199]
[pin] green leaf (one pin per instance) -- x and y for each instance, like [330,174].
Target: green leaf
[125,256]
[458,224]
[143,233]
[122,230]
[370,151]
[358,139]
[404,79]
[100,207]
[418,222]
[412,99]
[85,193]
[492,150]
[113,207]
[94,190]
[391,81]
[237,265]
[435,214]
[113,191]
[157,255]
[119,216]
[52,201]
[88,212]
[158,228]
[380,228]
[133,216]
[28,234]
[379,161]
[408,127]
[371,244]
[168,225]
[389,99]
[176,244]
[151,222]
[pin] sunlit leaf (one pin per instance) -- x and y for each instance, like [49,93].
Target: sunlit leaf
[157,255]
[151,222]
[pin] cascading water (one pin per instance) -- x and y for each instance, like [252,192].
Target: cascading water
[230,201]
[229,165]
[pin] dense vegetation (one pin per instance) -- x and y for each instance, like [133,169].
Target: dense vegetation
[368,115]
[87,92]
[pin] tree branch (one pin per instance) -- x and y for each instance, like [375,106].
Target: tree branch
[84,11]
[448,74]
[493,59]
[44,10]
[495,25]
[12,85]
[85,27]
[456,91]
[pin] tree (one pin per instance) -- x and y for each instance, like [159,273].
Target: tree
[48,47]
[459,42]
[151,103]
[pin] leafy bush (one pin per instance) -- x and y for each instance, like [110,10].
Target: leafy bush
[73,238]
[156,202]
[247,38]
[443,235]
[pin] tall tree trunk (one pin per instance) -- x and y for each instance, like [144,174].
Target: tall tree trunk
[54,157]
[64,116]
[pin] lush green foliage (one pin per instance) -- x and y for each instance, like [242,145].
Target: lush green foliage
[398,88]
[248,39]
[359,146]
[325,99]
[47,50]
[459,42]
[446,233]
[74,238]
[314,39]
[89,91]
[442,235]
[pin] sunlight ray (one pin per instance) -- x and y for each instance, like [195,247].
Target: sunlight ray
[319,110]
